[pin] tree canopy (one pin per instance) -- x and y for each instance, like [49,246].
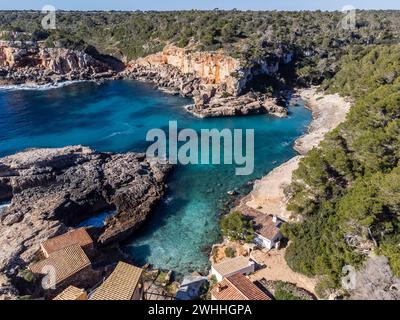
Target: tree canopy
[348,191]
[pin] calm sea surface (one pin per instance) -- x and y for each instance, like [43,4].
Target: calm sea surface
[115,116]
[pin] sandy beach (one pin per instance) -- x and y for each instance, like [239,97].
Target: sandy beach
[328,112]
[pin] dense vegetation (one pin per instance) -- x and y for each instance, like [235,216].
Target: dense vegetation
[348,192]
[317,38]
[236,227]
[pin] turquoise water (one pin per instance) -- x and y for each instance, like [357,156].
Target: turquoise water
[116,116]
[96,221]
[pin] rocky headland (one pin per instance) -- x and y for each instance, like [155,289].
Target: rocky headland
[34,64]
[54,189]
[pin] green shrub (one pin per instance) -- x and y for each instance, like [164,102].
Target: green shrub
[230,252]
[235,226]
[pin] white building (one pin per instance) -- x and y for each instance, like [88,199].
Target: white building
[232,266]
[267,233]
[191,287]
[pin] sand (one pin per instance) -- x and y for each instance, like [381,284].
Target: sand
[276,269]
[328,111]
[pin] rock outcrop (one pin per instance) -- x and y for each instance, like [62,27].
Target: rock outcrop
[32,63]
[375,281]
[247,104]
[213,68]
[53,189]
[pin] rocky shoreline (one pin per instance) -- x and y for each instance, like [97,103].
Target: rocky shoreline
[215,82]
[210,100]
[52,190]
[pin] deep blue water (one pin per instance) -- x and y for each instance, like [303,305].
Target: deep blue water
[116,116]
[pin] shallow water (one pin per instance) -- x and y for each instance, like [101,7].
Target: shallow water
[115,116]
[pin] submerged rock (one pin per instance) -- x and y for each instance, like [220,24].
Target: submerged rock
[53,189]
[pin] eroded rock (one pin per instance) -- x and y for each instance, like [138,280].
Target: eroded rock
[53,189]
[36,64]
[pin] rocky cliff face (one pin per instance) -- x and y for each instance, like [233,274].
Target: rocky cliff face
[215,68]
[215,81]
[53,189]
[210,67]
[22,63]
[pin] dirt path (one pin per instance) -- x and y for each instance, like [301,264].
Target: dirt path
[277,270]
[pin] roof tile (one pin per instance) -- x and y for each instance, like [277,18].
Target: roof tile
[120,285]
[228,266]
[66,262]
[76,236]
[238,287]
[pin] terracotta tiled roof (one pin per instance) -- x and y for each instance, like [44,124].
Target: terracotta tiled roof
[237,287]
[66,262]
[120,285]
[77,236]
[264,224]
[72,293]
[226,267]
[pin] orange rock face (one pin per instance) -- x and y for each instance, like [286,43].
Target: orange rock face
[210,67]
[6,56]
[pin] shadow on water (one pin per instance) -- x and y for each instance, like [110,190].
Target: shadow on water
[142,252]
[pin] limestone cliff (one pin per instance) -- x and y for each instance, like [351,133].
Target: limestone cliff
[215,81]
[211,67]
[22,63]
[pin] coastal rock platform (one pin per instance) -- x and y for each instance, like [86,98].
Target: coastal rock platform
[52,190]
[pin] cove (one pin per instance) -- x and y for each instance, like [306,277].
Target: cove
[115,116]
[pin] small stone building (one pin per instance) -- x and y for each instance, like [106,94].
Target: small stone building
[267,231]
[232,266]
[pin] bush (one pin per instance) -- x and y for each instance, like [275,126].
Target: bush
[282,294]
[235,226]
[230,252]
